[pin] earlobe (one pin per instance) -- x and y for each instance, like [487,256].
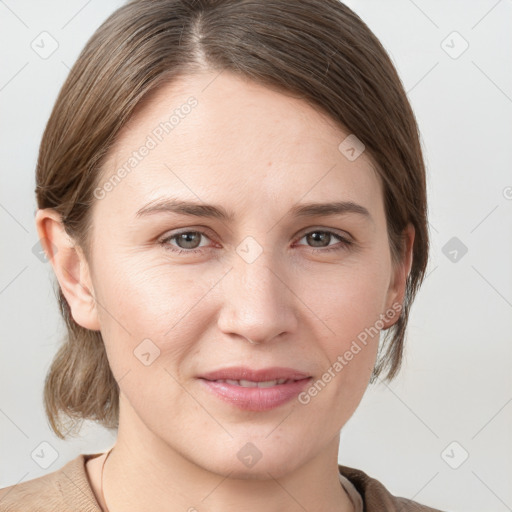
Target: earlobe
[396,292]
[70,267]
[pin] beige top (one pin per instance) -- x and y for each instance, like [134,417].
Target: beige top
[68,490]
[353,494]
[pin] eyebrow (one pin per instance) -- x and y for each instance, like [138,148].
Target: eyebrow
[170,205]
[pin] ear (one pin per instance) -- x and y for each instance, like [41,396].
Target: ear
[70,267]
[396,291]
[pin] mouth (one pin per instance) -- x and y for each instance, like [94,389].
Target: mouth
[255,390]
[254,384]
[244,373]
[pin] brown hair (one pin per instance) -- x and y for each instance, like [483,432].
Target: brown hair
[318,50]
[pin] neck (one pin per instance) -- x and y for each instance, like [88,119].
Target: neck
[143,473]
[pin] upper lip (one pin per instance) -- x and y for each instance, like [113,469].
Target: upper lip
[262,375]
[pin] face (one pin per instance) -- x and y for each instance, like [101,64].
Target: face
[179,291]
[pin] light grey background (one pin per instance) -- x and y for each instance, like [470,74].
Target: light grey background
[456,383]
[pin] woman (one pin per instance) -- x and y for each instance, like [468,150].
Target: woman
[232,196]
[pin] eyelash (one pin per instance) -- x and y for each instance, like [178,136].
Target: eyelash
[345,244]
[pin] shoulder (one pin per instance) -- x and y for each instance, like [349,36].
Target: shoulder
[66,489]
[376,497]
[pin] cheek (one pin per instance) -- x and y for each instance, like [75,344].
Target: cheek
[160,302]
[149,323]
[347,299]
[348,303]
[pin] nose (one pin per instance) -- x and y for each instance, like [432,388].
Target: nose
[258,304]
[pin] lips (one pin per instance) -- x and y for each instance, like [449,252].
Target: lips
[255,390]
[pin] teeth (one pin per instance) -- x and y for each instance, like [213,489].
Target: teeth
[247,383]
[267,383]
[251,384]
[232,382]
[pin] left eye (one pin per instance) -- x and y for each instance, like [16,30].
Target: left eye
[189,241]
[326,235]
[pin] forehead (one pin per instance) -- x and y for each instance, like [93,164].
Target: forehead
[220,138]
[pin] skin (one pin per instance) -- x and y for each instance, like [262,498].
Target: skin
[257,152]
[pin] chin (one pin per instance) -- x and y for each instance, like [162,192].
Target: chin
[254,459]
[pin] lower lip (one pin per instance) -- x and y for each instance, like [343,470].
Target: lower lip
[256,399]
